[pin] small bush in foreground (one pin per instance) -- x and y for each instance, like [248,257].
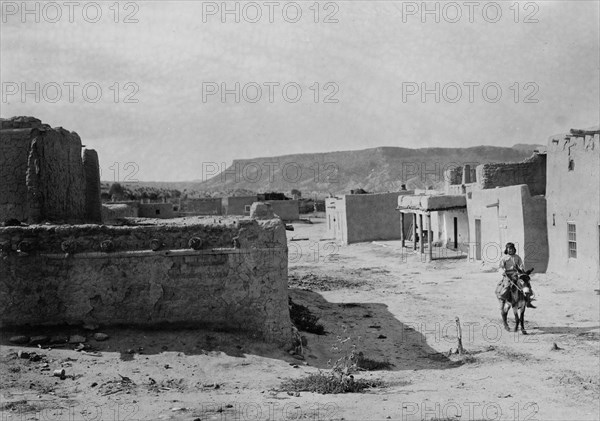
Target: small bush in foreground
[340,379]
[325,383]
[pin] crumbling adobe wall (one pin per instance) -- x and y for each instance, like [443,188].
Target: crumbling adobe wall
[112,212]
[453,176]
[42,175]
[235,277]
[532,172]
[93,190]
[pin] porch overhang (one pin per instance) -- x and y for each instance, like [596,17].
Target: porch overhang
[426,204]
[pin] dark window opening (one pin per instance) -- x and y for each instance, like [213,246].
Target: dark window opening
[158,211]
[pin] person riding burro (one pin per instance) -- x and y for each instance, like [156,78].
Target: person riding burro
[510,267]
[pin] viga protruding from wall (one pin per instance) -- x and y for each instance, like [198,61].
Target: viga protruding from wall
[226,274]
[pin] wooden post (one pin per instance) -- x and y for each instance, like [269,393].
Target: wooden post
[415,231]
[459,349]
[421,242]
[455,233]
[430,232]
[402,229]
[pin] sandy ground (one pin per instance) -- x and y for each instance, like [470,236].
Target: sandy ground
[393,307]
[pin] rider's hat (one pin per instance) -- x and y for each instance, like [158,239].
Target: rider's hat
[509,245]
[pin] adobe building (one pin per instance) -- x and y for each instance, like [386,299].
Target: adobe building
[573,210]
[237,205]
[156,210]
[508,214]
[506,203]
[197,272]
[45,175]
[201,206]
[355,218]
[439,218]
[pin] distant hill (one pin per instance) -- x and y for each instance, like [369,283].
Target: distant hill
[374,170]
[529,147]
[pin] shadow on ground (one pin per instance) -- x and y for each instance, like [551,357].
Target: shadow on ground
[568,330]
[372,329]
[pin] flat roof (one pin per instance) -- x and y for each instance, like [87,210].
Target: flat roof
[431,203]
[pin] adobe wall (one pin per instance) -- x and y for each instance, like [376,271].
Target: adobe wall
[532,172]
[447,227]
[372,217]
[288,210]
[204,206]
[573,196]
[156,210]
[335,213]
[111,212]
[14,152]
[366,217]
[235,279]
[536,232]
[42,175]
[509,214]
[93,189]
[236,205]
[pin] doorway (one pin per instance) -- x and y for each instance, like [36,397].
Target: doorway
[477,239]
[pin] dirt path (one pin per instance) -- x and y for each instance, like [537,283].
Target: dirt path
[395,308]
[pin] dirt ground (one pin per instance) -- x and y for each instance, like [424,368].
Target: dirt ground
[393,307]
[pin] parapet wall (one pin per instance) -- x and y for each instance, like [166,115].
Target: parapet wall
[226,275]
[43,176]
[532,172]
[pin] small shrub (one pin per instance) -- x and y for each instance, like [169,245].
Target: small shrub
[329,383]
[340,379]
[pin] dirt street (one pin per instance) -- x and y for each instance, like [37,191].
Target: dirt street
[395,309]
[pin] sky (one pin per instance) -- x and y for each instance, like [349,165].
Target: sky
[162,88]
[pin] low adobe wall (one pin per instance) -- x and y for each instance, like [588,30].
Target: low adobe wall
[235,277]
[112,212]
[288,210]
[202,206]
